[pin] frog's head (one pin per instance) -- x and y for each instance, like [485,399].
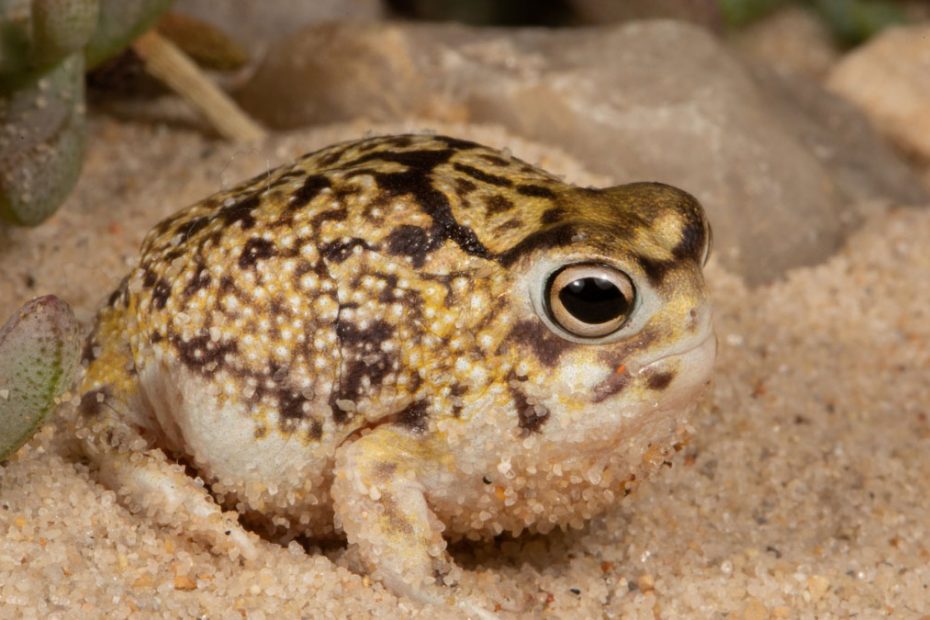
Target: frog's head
[612,310]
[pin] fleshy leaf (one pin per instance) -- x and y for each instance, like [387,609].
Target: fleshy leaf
[39,358]
[42,151]
[61,27]
[119,22]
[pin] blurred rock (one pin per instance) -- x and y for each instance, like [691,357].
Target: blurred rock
[792,40]
[889,78]
[671,105]
[258,24]
[861,163]
[704,13]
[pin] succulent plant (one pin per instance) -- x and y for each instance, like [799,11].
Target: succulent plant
[39,359]
[45,46]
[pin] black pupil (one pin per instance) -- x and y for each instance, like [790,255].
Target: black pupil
[594,300]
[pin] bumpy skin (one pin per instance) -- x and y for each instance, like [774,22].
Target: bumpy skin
[359,343]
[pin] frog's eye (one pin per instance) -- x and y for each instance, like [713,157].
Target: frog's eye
[589,301]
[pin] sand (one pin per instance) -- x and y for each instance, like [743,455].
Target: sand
[805,492]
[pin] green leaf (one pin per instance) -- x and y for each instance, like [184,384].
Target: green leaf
[39,359]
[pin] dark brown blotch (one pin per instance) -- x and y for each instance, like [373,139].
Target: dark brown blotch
[553,215]
[312,186]
[369,338]
[495,160]
[316,430]
[546,346]
[693,239]
[114,297]
[655,269]
[535,191]
[399,142]
[496,204]
[255,249]
[341,249]
[330,158]
[422,161]
[202,354]
[457,143]
[389,292]
[193,227]
[456,391]
[407,240]
[417,182]
[291,405]
[659,380]
[148,278]
[200,280]
[530,417]
[241,211]
[352,383]
[415,416]
[160,293]
[481,175]
[558,236]
[463,187]
[510,224]
[339,214]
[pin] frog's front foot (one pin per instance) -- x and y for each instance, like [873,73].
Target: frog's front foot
[380,503]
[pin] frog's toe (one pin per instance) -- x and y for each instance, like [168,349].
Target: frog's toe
[146,481]
[381,506]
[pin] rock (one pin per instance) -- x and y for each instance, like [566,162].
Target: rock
[672,105]
[864,165]
[790,40]
[257,23]
[889,78]
[704,13]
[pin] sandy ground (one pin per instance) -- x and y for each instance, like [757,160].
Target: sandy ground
[804,494]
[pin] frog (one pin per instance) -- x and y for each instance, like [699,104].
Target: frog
[400,341]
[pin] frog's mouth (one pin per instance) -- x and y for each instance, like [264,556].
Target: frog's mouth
[678,372]
[705,347]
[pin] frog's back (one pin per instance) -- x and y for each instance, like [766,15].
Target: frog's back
[278,288]
[313,300]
